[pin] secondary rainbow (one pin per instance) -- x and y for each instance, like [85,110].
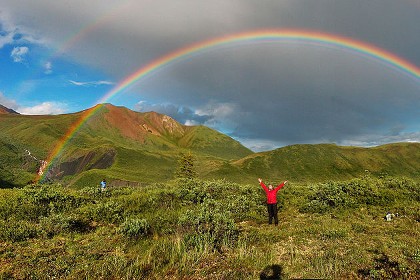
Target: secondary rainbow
[264,36]
[299,36]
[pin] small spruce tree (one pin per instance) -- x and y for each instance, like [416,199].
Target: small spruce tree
[186,166]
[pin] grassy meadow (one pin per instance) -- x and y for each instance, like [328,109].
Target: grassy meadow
[195,229]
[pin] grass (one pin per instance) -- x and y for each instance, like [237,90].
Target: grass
[193,229]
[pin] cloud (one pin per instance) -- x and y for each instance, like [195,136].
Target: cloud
[370,140]
[7,32]
[5,38]
[277,93]
[10,33]
[7,102]
[182,114]
[45,108]
[212,115]
[259,145]
[48,68]
[91,83]
[291,94]
[18,53]
[219,116]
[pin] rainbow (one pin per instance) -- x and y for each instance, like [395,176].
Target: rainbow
[100,21]
[300,36]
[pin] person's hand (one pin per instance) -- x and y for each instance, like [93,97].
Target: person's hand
[259,180]
[285,182]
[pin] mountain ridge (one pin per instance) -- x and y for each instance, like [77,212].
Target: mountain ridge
[124,145]
[5,110]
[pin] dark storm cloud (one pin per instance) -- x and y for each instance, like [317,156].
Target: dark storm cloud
[280,93]
[294,94]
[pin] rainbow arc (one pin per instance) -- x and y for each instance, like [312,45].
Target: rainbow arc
[299,36]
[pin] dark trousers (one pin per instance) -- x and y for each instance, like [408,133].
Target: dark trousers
[272,213]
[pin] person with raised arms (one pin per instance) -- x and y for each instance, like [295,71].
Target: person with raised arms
[271,194]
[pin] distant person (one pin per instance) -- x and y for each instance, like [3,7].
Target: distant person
[103,185]
[271,193]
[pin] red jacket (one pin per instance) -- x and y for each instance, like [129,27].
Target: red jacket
[271,195]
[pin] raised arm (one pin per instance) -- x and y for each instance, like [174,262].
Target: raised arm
[262,184]
[280,186]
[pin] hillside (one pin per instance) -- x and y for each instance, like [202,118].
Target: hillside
[329,162]
[129,147]
[116,143]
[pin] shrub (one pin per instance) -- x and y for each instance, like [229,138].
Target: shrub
[109,211]
[365,191]
[92,192]
[334,234]
[63,223]
[211,224]
[135,227]
[384,268]
[40,200]
[192,191]
[326,196]
[9,203]
[12,230]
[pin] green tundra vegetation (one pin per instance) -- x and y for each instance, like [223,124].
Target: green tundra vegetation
[157,220]
[212,229]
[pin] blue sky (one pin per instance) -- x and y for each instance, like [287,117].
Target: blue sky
[64,56]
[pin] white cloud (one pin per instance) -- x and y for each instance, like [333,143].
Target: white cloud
[6,31]
[259,145]
[18,53]
[220,110]
[371,140]
[191,123]
[48,68]
[45,108]
[9,103]
[11,33]
[220,116]
[90,83]
[5,39]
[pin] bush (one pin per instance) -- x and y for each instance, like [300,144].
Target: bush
[365,191]
[63,223]
[9,203]
[109,211]
[385,268]
[192,191]
[135,227]
[12,230]
[209,223]
[41,200]
[326,196]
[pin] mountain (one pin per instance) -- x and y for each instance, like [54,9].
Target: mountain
[133,148]
[117,143]
[5,110]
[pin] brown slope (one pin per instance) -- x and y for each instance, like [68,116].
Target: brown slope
[5,110]
[164,132]
[135,125]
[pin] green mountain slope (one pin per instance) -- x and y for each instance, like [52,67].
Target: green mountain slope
[330,162]
[128,147]
[118,143]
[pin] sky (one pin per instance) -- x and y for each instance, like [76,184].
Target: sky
[59,56]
